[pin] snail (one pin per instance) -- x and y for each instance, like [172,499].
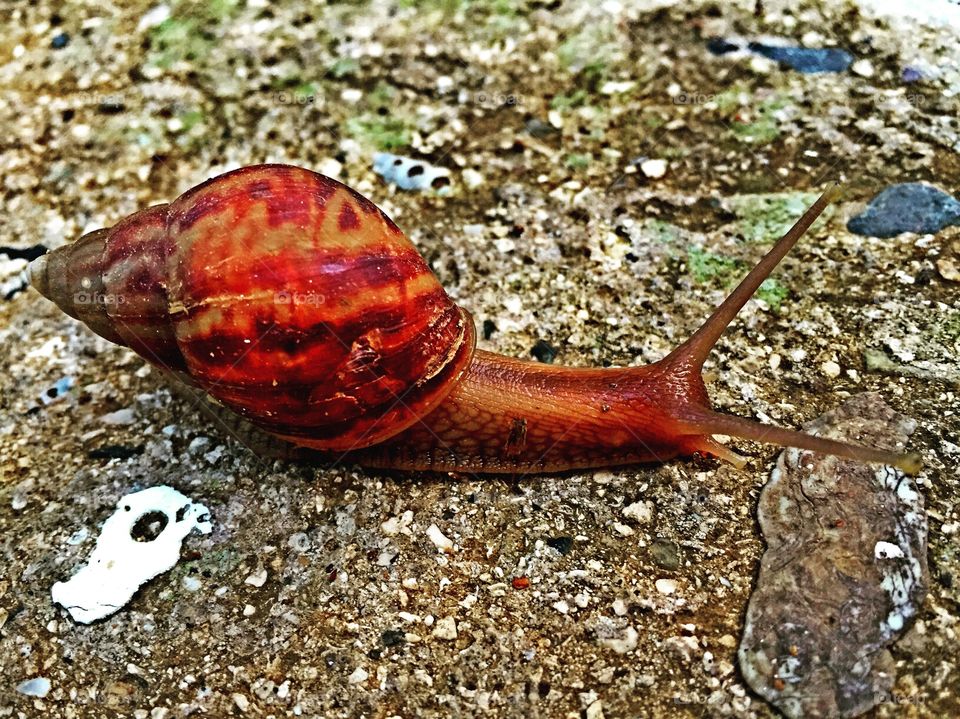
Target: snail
[315,326]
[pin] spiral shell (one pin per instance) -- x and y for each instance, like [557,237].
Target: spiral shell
[282,293]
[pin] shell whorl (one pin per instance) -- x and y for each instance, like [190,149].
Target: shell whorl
[284,294]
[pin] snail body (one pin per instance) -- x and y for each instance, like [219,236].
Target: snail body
[300,307]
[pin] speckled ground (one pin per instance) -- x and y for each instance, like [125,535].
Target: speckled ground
[319,592]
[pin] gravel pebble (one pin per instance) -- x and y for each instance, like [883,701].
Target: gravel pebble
[36,687]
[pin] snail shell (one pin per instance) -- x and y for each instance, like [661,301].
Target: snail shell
[283,294]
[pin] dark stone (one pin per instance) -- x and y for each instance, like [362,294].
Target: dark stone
[665,554]
[392,637]
[488,329]
[29,254]
[111,108]
[544,352]
[908,207]
[806,59]
[115,451]
[540,129]
[561,544]
[719,46]
[60,41]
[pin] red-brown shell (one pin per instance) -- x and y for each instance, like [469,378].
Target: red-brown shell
[290,298]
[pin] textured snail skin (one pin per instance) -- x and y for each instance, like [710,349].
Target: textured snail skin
[299,306]
[510,415]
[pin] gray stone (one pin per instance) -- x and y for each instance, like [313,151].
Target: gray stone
[844,572]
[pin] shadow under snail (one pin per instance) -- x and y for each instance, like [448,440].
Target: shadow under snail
[301,308]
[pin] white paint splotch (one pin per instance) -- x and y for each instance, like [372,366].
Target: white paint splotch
[121,563]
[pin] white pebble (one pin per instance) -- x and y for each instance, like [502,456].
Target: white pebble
[359,676]
[153,17]
[81,132]
[622,645]
[120,417]
[654,168]
[863,68]
[330,167]
[442,541]
[468,601]
[257,579]
[830,369]
[666,586]
[619,607]
[639,512]
[395,525]
[249,610]
[603,477]
[472,178]
[37,687]
[191,584]
[595,710]
[446,628]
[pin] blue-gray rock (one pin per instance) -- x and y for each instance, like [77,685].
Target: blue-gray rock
[911,74]
[908,207]
[806,59]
